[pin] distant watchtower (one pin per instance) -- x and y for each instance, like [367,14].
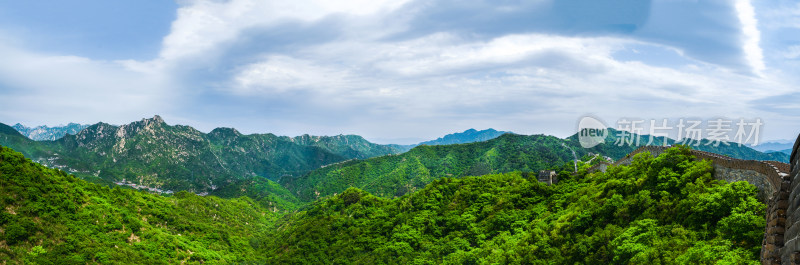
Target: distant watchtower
[548,176]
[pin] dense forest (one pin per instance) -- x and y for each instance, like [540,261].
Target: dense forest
[50,217]
[667,209]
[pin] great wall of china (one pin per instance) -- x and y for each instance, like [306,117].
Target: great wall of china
[777,188]
[781,243]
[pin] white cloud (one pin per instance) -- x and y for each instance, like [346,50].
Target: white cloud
[444,75]
[781,14]
[752,36]
[281,74]
[203,25]
[793,52]
[56,89]
[367,80]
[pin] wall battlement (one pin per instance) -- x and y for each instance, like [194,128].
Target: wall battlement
[781,243]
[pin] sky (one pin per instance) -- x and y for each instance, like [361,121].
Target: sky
[400,71]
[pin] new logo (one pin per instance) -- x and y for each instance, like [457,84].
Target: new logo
[591,132]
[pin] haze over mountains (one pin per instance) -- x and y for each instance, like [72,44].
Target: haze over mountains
[784,146]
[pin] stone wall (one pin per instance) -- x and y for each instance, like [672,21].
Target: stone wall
[765,189]
[783,219]
[548,176]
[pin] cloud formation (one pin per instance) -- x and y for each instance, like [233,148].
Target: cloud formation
[399,69]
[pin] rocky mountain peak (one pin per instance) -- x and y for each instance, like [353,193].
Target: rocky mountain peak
[224,132]
[154,120]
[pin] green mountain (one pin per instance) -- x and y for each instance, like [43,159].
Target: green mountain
[154,154]
[396,175]
[49,217]
[657,210]
[45,133]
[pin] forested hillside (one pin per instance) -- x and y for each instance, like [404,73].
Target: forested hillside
[664,210]
[656,211]
[395,175]
[50,217]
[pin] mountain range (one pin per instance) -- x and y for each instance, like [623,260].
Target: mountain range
[150,153]
[784,146]
[45,133]
[341,199]
[154,154]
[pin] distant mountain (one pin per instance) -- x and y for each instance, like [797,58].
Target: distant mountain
[774,146]
[151,153]
[468,136]
[45,133]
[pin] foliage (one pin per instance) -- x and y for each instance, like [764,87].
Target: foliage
[667,209]
[49,217]
[267,193]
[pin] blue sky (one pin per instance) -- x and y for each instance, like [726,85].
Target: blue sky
[402,70]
